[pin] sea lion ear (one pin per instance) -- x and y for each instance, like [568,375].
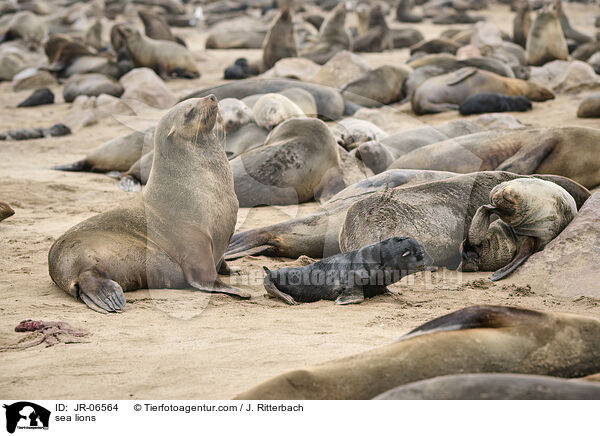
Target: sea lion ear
[172,131]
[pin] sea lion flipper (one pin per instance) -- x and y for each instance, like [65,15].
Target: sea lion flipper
[99,293]
[254,251]
[526,249]
[527,160]
[461,75]
[130,184]
[274,292]
[353,295]
[220,288]
[226,270]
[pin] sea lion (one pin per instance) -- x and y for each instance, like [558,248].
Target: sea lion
[378,36]
[384,85]
[438,214]
[405,14]
[477,339]
[589,107]
[448,91]
[316,235]
[280,41]
[347,278]
[27,26]
[68,57]
[333,37]
[37,98]
[5,211]
[92,84]
[532,211]
[58,129]
[93,36]
[118,154]
[161,239]
[485,102]
[495,387]
[156,27]
[272,109]
[297,162]
[330,104]
[522,23]
[351,132]
[568,30]
[546,41]
[166,58]
[234,114]
[436,45]
[567,151]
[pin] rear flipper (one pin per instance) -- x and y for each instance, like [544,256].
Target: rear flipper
[526,249]
[98,292]
[130,184]
[80,165]
[353,295]
[248,243]
[226,270]
[274,292]
[220,288]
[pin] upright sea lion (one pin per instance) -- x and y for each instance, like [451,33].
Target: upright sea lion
[449,91]
[5,211]
[166,58]
[156,27]
[93,35]
[330,104]
[378,36]
[485,102]
[477,339]
[317,234]
[546,41]
[522,23]
[173,236]
[532,213]
[280,41]
[347,278]
[438,214]
[495,387]
[567,29]
[589,107]
[27,26]
[333,37]
[566,151]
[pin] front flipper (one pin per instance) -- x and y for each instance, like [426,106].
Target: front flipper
[226,270]
[130,184]
[353,295]
[526,249]
[201,273]
[98,292]
[526,161]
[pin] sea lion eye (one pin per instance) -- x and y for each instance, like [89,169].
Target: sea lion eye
[189,115]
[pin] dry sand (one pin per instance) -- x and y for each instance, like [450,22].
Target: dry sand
[179,344]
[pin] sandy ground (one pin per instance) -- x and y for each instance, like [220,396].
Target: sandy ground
[179,344]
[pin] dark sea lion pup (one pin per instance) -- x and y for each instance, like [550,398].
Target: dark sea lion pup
[348,277]
[173,235]
[485,102]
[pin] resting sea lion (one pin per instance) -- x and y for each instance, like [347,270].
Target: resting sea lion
[590,107]
[383,85]
[26,133]
[38,97]
[438,214]
[350,277]
[485,102]
[404,14]
[447,92]
[567,151]
[316,235]
[495,387]
[532,213]
[173,236]
[478,339]
[5,211]
[27,26]
[166,58]
[234,114]
[272,109]
[546,41]
[330,104]
[280,41]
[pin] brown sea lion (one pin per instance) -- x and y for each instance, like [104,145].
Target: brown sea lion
[590,107]
[448,91]
[172,236]
[378,36]
[566,151]
[522,23]
[532,212]
[156,27]
[333,37]
[477,339]
[166,58]
[546,41]
[280,41]
[5,211]
[405,13]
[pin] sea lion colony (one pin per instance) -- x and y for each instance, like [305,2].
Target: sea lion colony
[374,126]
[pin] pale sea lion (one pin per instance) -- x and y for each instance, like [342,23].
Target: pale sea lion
[166,58]
[330,104]
[438,214]
[533,212]
[495,387]
[589,107]
[92,84]
[280,41]
[477,339]
[27,26]
[118,154]
[566,151]
[316,235]
[333,37]
[234,114]
[272,109]
[447,92]
[546,41]
[5,211]
[347,278]
[161,239]
[352,132]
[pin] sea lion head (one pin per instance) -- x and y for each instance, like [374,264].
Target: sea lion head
[189,120]
[402,253]
[128,32]
[538,92]
[498,248]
